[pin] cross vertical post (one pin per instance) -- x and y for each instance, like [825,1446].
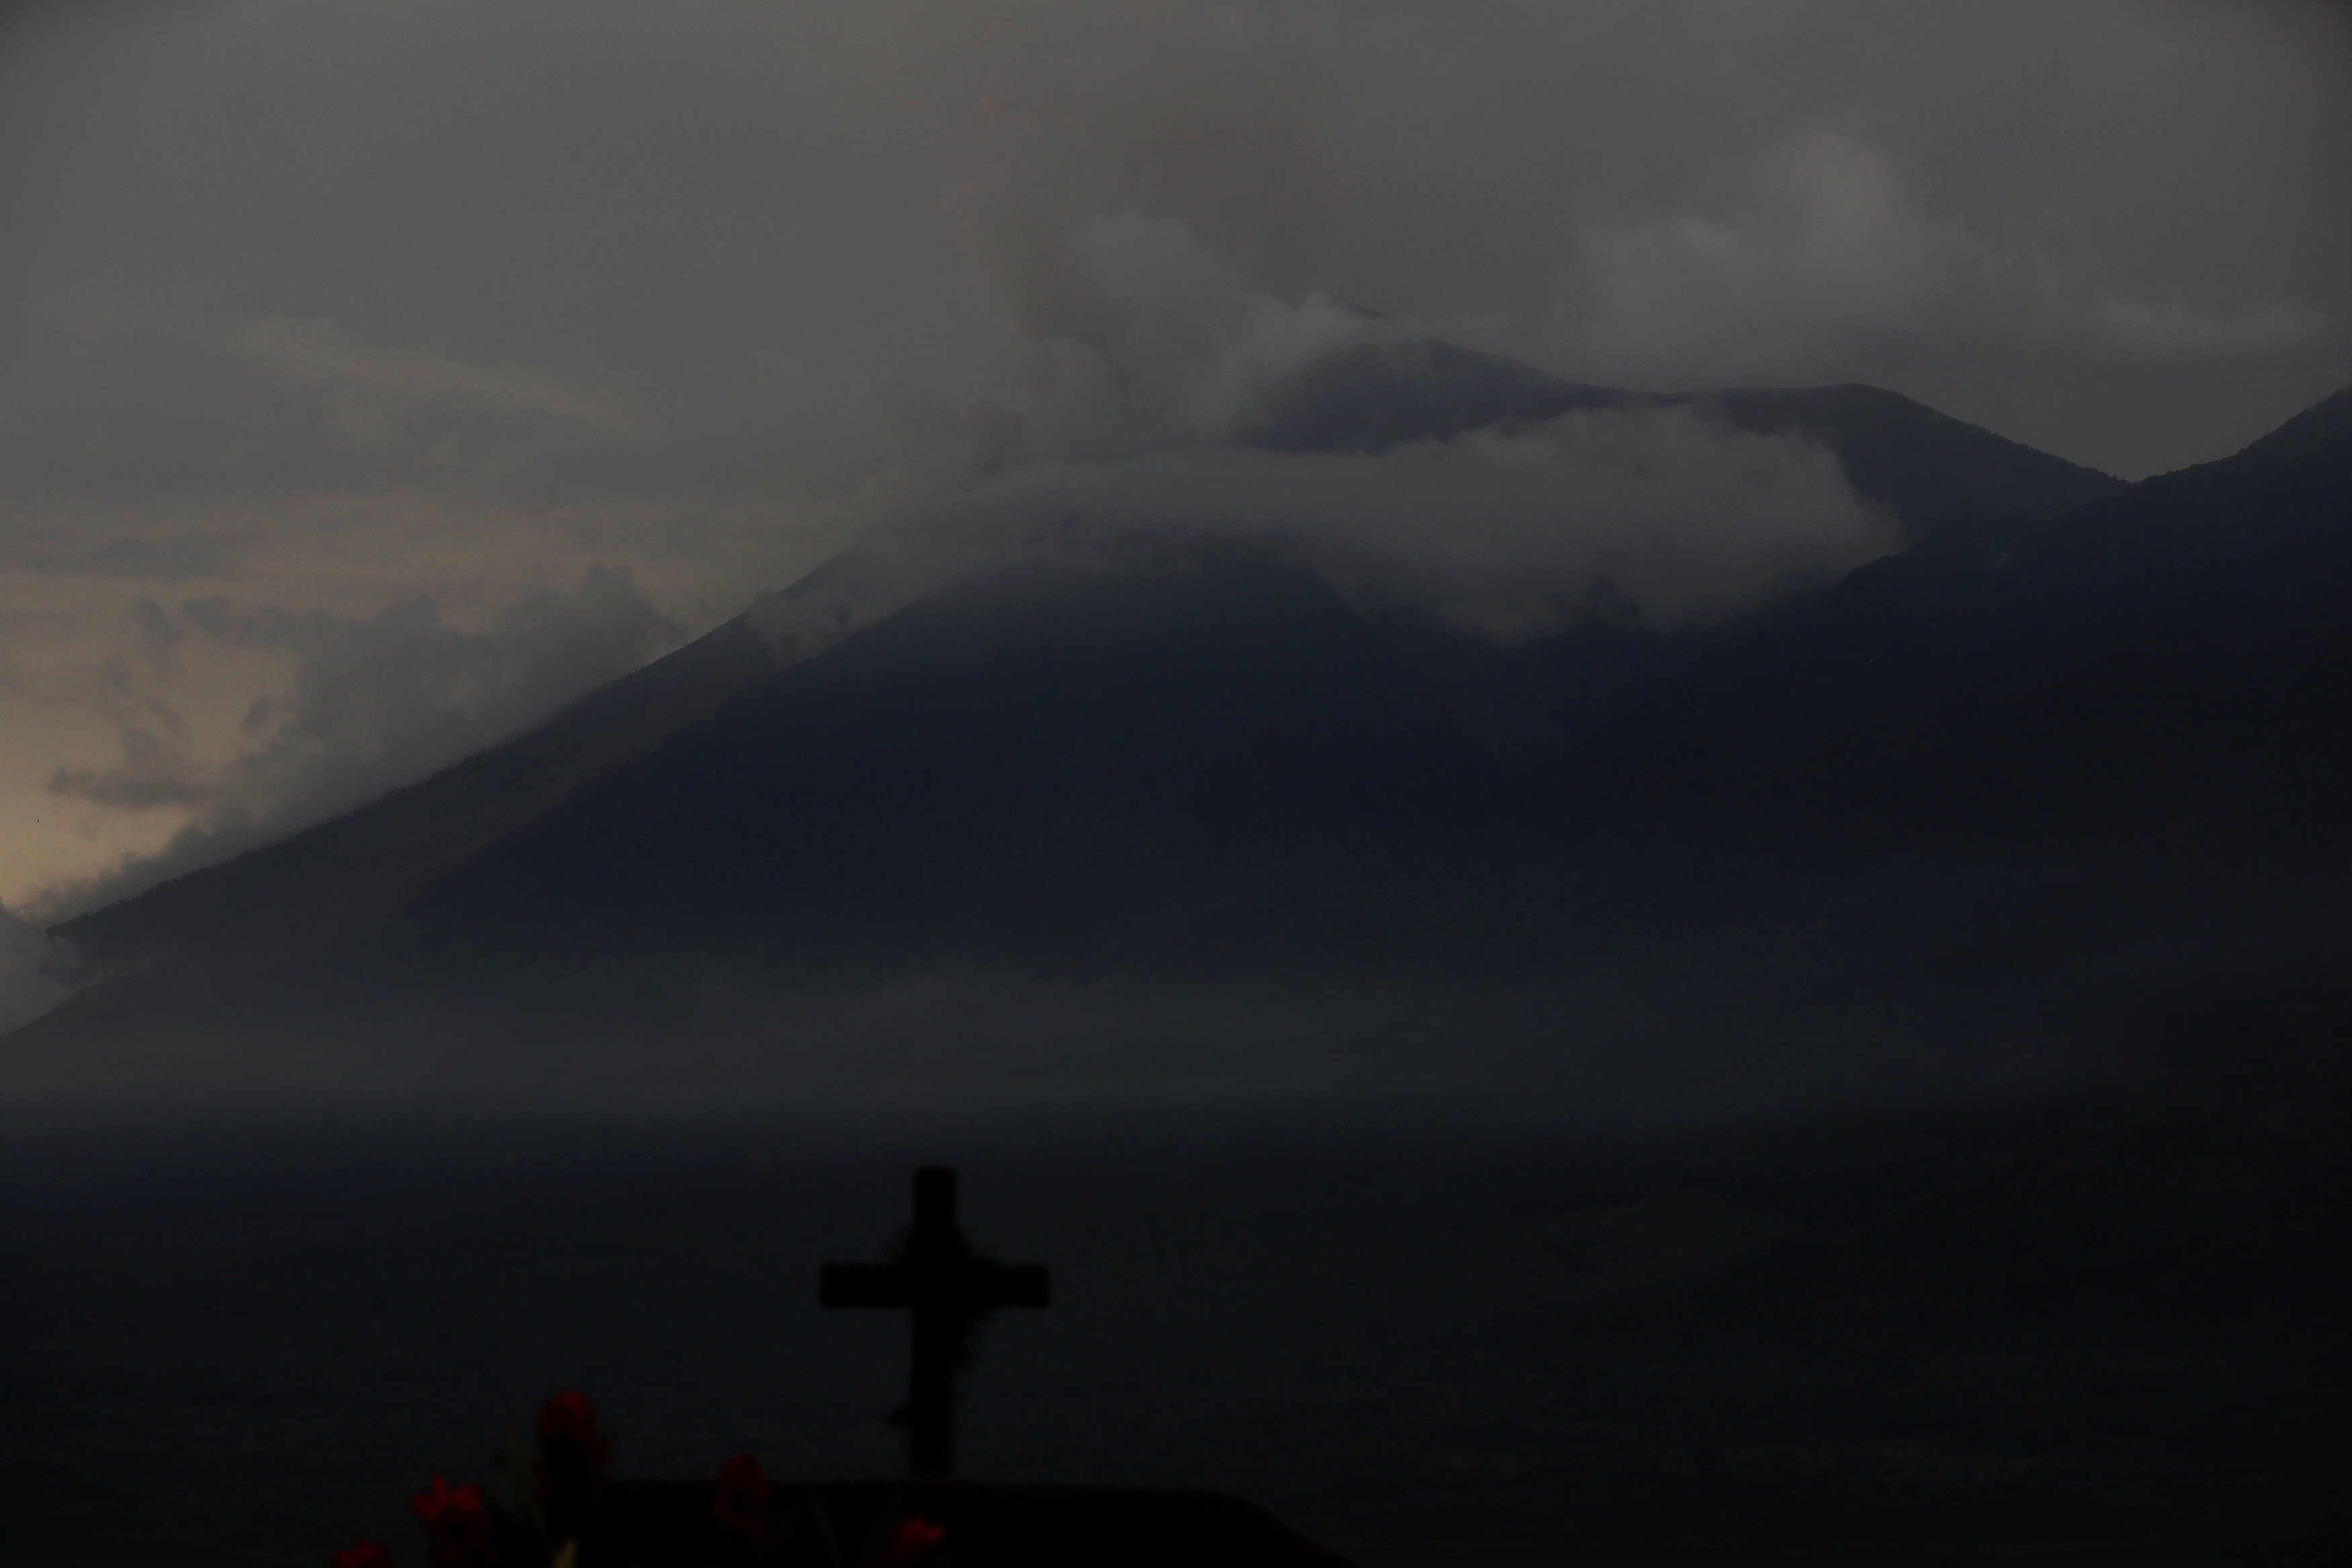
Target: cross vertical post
[950,1291]
[938,1323]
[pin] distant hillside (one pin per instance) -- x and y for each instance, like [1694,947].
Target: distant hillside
[1211,771]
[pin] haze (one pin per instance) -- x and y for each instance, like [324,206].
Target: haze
[379,378]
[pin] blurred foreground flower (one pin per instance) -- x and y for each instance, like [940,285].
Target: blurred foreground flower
[559,1495]
[457,1522]
[914,1539]
[571,1468]
[739,1510]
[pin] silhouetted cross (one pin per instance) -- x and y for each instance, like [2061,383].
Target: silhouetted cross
[951,1291]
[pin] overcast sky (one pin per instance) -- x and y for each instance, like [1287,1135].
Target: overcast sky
[375,376]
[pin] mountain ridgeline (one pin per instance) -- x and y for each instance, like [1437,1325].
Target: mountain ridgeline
[2069,753]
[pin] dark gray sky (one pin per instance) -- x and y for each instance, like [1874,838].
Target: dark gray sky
[375,376]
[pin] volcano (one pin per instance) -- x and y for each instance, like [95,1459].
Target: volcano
[2070,723]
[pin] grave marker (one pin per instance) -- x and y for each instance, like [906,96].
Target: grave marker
[948,1289]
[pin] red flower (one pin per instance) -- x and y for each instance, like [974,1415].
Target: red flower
[457,1522]
[910,1542]
[364,1554]
[739,1510]
[569,1421]
[570,1467]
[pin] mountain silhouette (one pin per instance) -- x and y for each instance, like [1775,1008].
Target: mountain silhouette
[1203,762]
[1939,476]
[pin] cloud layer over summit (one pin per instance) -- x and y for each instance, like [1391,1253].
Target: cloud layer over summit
[375,378]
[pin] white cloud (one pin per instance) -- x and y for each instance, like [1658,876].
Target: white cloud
[1163,343]
[1511,534]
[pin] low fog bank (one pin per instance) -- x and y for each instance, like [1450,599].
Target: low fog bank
[1911,987]
[1657,1041]
[30,966]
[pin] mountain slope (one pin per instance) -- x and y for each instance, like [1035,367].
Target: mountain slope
[1027,762]
[2170,665]
[1202,769]
[1945,479]
[360,864]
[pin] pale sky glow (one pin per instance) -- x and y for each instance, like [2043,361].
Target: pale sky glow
[375,378]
